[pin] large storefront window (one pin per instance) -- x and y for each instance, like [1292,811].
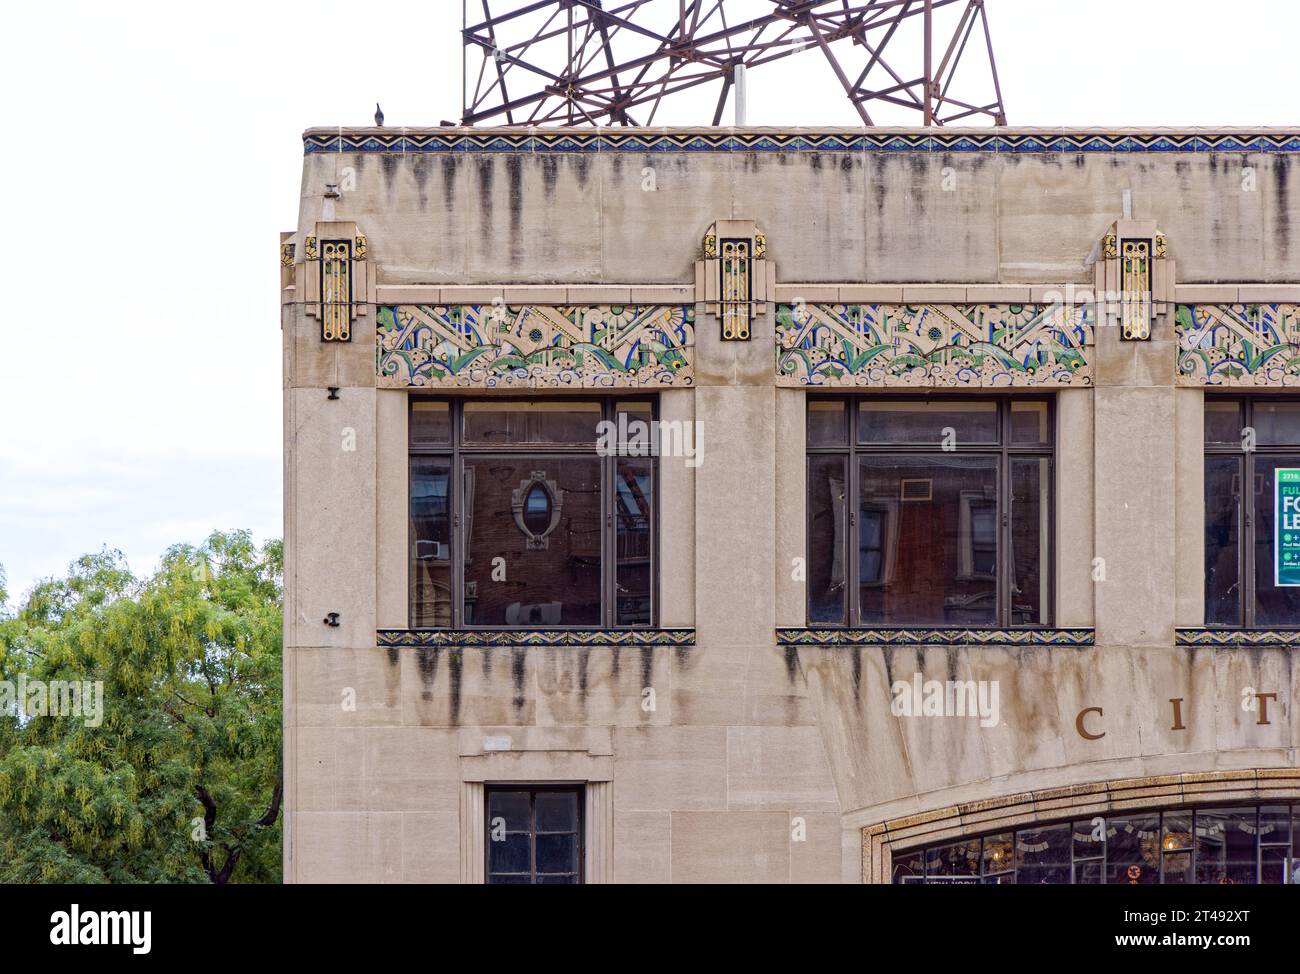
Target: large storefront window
[1247,844]
[933,512]
[1250,444]
[520,518]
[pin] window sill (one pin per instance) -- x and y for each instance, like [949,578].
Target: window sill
[570,638]
[932,636]
[1236,637]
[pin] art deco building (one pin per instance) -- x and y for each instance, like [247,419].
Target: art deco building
[760,505]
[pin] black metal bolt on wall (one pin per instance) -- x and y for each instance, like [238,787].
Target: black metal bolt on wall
[331,619]
[334,392]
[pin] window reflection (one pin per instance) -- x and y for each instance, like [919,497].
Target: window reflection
[1225,845]
[939,513]
[927,540]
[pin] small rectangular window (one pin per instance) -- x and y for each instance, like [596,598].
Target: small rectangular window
[534,835]
[948,503]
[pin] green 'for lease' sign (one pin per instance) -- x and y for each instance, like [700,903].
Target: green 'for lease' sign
[1286,526]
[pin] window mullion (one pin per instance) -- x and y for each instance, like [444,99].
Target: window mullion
[608,533]
[852,591]
[1246,545]
[1003,597]
[457,540]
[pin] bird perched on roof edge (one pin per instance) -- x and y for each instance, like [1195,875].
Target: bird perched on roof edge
[379,115]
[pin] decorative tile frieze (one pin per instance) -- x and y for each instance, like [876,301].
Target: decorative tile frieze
[925,636]
[803,140]
[535,346]
[959,345]
[1236,637]
[576,638]
[1238,344]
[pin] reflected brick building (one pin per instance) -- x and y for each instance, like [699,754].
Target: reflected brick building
[976,569]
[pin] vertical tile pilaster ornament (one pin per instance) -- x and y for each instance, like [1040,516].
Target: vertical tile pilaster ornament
[1134,278]
[336,283]
[735,289]
[1135,290]
[733,276]
[336,291]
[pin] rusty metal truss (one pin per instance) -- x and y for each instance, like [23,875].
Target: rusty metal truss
[615,62]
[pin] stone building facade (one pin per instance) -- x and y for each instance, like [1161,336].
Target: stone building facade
[964,544]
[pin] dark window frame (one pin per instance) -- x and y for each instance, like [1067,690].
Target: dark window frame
[578,789]
[1246,507]
[1004,450]
[457,450]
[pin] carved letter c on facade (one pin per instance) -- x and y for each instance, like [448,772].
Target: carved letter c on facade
[1083,731]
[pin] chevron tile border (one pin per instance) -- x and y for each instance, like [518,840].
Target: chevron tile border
[1237,637]
[565,638]
[726,140]
[921,636]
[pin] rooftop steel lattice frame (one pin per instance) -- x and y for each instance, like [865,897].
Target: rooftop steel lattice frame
[614,62]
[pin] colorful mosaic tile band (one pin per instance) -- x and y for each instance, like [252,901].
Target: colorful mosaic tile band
[535,346]
[576,638]
[1237,637]
[843,140]
[1238,344]
[913,636]
[961,345]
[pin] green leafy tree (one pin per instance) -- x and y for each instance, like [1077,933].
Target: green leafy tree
[181,780]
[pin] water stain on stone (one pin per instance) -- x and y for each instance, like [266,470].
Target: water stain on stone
[857,672]
[454,664]
[420,167]
[791,663]
[485,662]
[486,172]
[515,174]
[518,669]
[391,166]
[550,173]
[450,170]
[426,660]
[1282,187]
[582,168]
[647,666]
[394,657]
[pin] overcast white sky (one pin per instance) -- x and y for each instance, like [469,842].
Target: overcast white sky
[150,155]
